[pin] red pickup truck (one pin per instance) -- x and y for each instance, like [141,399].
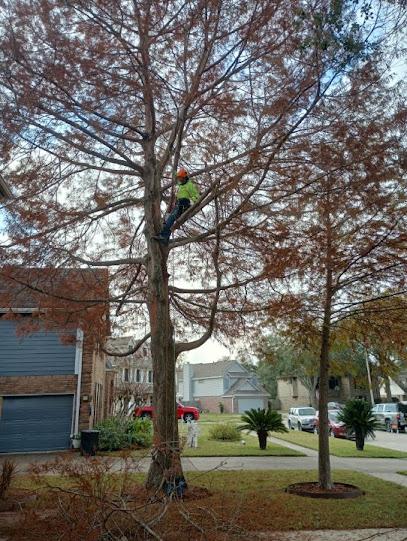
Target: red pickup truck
[187,413]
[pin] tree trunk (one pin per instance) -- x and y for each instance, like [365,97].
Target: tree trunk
[388,388]
[359,440]
[325,478]
[262,435]
[165,468]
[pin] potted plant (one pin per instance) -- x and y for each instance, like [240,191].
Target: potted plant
[76,441]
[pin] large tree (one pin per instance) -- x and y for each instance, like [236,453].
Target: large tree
[101,102]
[350,234]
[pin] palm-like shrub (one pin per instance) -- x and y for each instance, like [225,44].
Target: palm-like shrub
[359,421]
[263,422]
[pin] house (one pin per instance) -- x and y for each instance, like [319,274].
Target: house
[52,371]
[226,382]
[291,392]
[133,382]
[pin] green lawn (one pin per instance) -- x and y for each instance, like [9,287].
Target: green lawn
[220,418]
[257,501]
[402,472]
[339,447]
[209,447]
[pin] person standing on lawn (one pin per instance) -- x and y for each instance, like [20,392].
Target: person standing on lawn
[187,194]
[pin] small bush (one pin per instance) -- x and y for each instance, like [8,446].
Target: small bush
[123,433]
[223,431]
[6,476]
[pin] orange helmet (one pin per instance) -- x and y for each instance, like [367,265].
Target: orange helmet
[182,172]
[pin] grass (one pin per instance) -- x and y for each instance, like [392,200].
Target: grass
[257,501]
[340,447]
[209,447]
[220,418]
[402,472]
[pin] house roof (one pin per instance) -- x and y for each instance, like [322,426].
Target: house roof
[122,344]
[61,296]
[22,287]
[236,387]
[216,369]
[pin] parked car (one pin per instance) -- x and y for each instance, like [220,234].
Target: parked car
[336,428]
[335,406]
[302,418]
[391,416]
[187,413]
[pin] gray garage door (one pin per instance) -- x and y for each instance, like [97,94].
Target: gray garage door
[249,403]
[35,423]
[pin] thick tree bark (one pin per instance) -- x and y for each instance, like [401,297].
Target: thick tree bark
[360,440]
[388,388]
[325,479]
[262,435]
[166,463]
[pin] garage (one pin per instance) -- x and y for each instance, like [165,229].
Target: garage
[35,423]
[249,403]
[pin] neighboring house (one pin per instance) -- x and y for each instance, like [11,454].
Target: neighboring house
[52,373]
[226,382]
[292,393]
[397,393]
[133,373]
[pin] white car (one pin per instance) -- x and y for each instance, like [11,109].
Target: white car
[303,418]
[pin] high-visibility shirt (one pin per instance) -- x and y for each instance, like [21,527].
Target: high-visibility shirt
[188,190]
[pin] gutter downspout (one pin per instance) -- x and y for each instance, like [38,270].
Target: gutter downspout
[78,371]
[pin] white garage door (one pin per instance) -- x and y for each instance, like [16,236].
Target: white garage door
[249,403]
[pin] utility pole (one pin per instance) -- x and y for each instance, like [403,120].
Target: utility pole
[369,376]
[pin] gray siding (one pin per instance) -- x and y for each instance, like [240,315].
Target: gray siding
[208,387]
[35,423]
[38,354]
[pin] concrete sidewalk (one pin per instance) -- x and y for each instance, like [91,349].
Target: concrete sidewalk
[382,534]
[383,468]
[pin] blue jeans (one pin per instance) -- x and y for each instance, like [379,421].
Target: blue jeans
[181,206]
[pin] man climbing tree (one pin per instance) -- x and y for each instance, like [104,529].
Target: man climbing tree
[99,101]
[187,193]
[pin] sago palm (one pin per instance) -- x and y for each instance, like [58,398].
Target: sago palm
[262,422]
[359,421]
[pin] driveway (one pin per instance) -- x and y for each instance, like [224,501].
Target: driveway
[397,442]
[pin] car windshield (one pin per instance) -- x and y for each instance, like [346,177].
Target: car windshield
[391,407]
[333,416]
[306,411]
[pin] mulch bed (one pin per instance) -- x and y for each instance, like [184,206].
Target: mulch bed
[339,491]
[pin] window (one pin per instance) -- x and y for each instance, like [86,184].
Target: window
[150,376]
[138,375]
[391,407]
[126,374]
[334,383]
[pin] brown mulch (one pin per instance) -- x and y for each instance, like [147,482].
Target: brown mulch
[313,490]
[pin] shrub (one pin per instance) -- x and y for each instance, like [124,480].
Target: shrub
[359,420]
[123,433]
[262,422]
[223,431]
[6,476]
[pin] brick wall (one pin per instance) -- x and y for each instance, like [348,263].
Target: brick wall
[211,403]
[23,385]
[93,386]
